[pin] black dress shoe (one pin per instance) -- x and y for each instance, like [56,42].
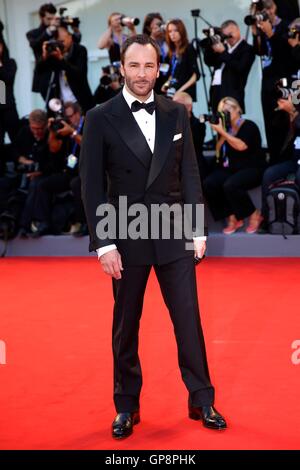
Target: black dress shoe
[210,417]
[122,426]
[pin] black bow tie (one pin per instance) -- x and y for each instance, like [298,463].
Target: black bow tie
[149,107]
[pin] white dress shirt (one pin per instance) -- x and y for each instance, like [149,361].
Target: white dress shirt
[146,123]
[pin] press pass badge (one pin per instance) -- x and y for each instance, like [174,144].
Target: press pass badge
[297,143]
[164,68]
[72,161]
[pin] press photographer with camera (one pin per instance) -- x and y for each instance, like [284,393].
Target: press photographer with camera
[34,162]
[67,63]
[270,40]
[65,136]
[231,58]
[9,119]
[289,157]
[110,83]
[114,37]
[239,167]
[184,71]
[155,27]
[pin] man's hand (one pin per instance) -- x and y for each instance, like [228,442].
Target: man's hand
[218,127]
[294,42]
[219,47]
[33,175]
[199,248]
[112,264]
[66,130]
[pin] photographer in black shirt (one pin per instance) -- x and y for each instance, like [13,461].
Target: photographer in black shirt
[64,145]
[270,40]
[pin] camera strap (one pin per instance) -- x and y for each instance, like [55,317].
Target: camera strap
[79,129]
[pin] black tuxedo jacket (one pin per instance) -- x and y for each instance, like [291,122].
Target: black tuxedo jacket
[113,146]
[236,70]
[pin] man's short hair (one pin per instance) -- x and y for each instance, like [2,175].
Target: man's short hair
[47,8]
[268,3]
[38,116]
[228,23]
[143,40]
[74,106]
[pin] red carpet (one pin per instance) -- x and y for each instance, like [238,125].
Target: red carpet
[56,386]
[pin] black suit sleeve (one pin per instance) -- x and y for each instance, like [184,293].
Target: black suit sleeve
[8,72]
[92,174]
[36,39]
[240,64]
[191,183]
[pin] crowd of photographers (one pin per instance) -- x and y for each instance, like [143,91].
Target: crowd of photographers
[40,189]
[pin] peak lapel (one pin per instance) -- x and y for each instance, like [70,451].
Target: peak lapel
[121,118]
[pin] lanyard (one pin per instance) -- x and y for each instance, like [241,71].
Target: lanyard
[173,65]
[224,147]
[163,52]
[79,128]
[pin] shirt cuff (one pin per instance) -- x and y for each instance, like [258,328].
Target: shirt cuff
[105,249]
[200,239]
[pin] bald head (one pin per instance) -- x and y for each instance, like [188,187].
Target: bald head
[184,98]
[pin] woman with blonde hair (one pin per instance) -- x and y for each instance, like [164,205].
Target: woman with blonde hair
[239,167]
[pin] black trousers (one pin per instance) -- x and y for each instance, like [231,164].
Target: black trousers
[9,122]
[177,282]
[276,122]
[226,192]
[46,189]
[75,185]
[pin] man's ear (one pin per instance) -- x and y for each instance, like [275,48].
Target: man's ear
[122,70]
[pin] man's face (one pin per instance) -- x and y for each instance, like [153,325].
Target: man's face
[272,10]
[66,38]
[72,118]
[48,19]
[234,32]
[140,69]
[38,129]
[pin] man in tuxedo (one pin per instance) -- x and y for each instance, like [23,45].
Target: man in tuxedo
[142,144]
[232,62]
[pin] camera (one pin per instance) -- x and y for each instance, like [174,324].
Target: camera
[55,105]
[215,118]
[258,13]
[294,32]
[126,20]
[53,44]
[251,20]
[74,22]
[111,73]
[283,89]
[213,35]
[171,87]
[25,169]
[163,27]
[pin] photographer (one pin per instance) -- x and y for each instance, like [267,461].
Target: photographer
[294,42]
[155,28]
[270,40]
[239,167]
[110,84]
[68,63]
[114,36]
[232,59]
[184,71]
[64,145]
[289,158]
[45,32]
[33,161]
[9,119]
